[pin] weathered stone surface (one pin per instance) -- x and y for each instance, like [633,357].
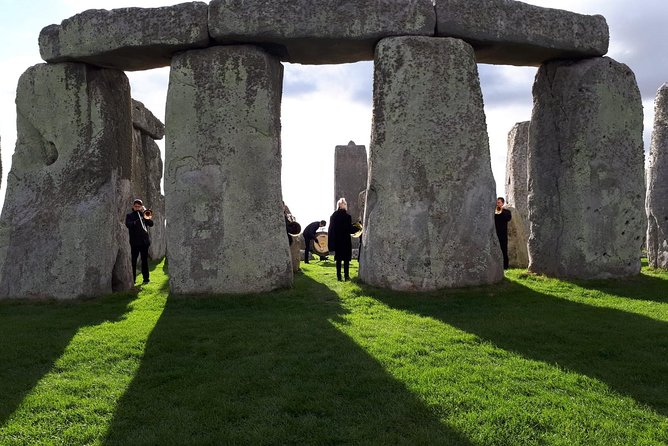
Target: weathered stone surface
[361,201]
[146,179]
[350,175]
[127,38]
[514,33]
[146,122]
[428,219]
[586,188]
[223,173]
[518,251]
[61,231]
[296,253]
[323,32]
[516,170]
[657,185]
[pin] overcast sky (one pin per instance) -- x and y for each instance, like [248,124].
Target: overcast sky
[325,106]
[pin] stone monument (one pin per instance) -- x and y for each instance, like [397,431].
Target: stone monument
[586,168]
[657,184]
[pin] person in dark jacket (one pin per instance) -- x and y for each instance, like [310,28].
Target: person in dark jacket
[501,218]
[309,235]
[138,224]
[338,238]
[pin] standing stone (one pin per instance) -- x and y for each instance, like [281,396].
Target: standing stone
[518,251]
[147,173]
[223,173]
[62,232]
[350,175]
[586,188]
[516,171]
[430,202]
[657,185]
[295,251]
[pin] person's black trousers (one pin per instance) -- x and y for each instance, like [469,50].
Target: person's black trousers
[307,249]
[135,251]
[503,241]
[346,269]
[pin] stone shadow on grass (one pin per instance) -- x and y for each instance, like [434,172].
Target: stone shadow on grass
[640,287]
[266,369]
[627,351]
[33,335]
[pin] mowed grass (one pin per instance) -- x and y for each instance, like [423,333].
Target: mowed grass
[531,361]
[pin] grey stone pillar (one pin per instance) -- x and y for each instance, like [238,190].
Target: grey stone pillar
[586,188]
[225,225]
[147,172]
[516,194]
[518,251]
[430,203]
[657,185]
[62,232]
[517,171]
[350,175]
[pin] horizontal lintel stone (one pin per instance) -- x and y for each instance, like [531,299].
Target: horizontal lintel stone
[514,33]
[127,38]
[319,32]
[145,121]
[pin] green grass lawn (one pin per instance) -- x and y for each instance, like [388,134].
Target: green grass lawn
[531,361]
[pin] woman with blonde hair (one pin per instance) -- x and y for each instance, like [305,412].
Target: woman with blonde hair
[338,238]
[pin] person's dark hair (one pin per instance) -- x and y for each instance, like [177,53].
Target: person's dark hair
[502,200]
[138,201]
[323,222]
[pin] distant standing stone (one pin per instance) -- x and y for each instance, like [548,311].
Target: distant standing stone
[518,251]
[586,170]
[657,184]
[350,175]
[517,171]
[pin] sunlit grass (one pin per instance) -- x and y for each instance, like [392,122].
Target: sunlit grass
[529,361]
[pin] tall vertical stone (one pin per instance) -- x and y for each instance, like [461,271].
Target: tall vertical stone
[657,184]
[147,172]
[430,202]
[518,251]
[516,169]
[62,232]
[516,194]
[350,175]
[223,173]
[586,188]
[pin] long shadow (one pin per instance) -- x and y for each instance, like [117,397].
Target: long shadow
[34,335]
[266,369]
[629,352]
[640,287]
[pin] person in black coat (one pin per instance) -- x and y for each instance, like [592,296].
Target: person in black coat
[501,218]
[338,237]
[309,235]
[138,225]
